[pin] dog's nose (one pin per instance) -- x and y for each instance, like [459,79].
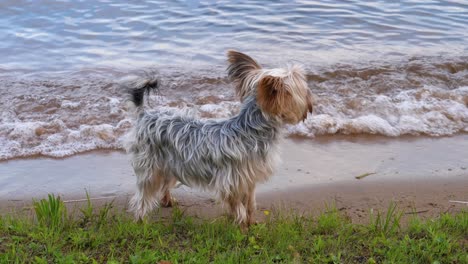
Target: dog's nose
[310,107]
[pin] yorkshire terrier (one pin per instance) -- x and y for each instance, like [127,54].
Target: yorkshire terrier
[230,156]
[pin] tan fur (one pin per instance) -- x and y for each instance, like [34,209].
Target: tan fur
[147,197]
[286,97]
[271,95]
[167,200]
[280,92]
[242,206]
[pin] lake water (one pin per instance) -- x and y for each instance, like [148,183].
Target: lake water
[381,67]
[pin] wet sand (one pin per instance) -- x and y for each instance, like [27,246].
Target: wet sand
[424,176]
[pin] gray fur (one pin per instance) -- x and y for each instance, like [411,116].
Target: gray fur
[223,156]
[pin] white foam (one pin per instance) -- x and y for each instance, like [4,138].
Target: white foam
[425,111]
[55,139]
[103,122]
[70,104]
[221,110]
[37,138]
[114,104]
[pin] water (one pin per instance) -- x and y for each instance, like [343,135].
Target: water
[382,68]
[58,35]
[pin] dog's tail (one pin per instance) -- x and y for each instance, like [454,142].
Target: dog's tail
[138,87]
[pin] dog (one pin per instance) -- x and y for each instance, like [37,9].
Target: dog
[230,156]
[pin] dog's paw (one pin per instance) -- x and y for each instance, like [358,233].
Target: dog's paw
[169,202]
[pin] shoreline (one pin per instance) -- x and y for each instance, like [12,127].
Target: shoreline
[420,174]
[319,139]
[355,199]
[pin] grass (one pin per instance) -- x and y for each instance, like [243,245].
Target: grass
[50,212]
[107,235]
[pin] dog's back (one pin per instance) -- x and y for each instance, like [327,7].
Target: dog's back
[218,155]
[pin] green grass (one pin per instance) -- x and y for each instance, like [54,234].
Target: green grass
[50,212]
[107,235]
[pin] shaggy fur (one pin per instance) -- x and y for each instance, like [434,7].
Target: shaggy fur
[229,157]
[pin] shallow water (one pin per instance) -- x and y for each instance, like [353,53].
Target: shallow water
[320,162]
[381,68]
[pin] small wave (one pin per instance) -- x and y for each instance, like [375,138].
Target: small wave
[69,113]
[37,138]
[425,111]
[55,139]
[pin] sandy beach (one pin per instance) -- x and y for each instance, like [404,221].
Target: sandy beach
[424,176]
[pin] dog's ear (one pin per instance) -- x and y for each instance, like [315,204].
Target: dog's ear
[272,97]
[240,68]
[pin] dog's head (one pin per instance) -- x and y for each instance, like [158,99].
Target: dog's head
[281,92]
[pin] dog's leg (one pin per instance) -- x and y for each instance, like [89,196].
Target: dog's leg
[249,202]
[145,198]
[237,209]
[167,200]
